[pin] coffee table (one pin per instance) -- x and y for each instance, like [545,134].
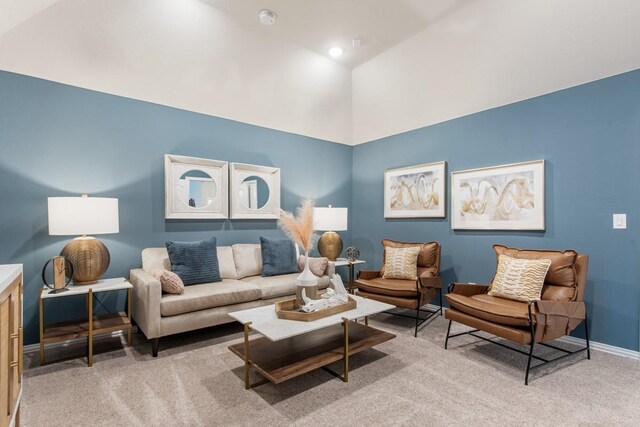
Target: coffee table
[290,348]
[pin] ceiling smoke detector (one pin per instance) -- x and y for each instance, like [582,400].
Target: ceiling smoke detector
[267,17]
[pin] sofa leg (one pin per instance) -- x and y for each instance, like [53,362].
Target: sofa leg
[155,346]
[446,341]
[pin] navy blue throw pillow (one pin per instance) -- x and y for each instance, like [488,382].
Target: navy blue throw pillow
[195,262]
[278,257]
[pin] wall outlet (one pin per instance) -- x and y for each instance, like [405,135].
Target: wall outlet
[620,221]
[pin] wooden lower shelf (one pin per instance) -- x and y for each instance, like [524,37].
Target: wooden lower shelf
[282,360]
[63,331]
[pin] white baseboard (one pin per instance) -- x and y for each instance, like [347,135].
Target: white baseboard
[36,347]
[611,349]
[618,351]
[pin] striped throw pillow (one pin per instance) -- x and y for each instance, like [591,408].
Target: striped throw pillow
[401,263]
[519,279]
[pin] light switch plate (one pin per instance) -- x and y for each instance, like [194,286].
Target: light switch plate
[620,221]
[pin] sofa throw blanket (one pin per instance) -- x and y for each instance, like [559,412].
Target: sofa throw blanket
[278,256]
[195,262]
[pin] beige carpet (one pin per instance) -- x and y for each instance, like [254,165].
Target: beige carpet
[197,381]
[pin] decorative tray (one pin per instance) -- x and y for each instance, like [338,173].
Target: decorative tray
[287,310]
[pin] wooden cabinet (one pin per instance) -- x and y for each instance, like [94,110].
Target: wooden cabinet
[11,364]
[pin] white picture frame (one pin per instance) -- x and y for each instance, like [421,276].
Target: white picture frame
[247,191]
[416,191]
[195,188]
[505,197]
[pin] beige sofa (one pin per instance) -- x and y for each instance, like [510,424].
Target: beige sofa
[208,304]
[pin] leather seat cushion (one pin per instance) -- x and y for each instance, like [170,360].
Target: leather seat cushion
[209,295]
[492,309]
[281,285]
[411,303]
[390,287]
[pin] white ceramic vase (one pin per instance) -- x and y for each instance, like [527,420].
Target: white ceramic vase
[307,281]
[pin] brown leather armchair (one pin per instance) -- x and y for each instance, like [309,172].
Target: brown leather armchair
[411,294]
[559,311]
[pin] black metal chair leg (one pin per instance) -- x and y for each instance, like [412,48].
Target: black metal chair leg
[586,333]
[533,344]
[446,341]
[415,334]
[440,294]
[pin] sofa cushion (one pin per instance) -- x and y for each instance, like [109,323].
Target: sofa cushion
[278,256]
[428,259]
[283,285]
[226,263]
[389,287]
[492,309]
[248,259]
[195,262]
[208,295]
[519,279]
[561,281]
[154,259]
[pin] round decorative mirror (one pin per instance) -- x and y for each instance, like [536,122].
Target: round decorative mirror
[253,192]
[196,189]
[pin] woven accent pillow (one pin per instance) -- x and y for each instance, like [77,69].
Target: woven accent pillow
[519,279]
[195,262]
[401,263]
[318,266]
[170,281]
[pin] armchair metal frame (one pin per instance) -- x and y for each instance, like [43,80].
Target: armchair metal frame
[430,313]
[532,329]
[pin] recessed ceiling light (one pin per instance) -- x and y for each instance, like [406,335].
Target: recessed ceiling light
[336,51]
[267,17]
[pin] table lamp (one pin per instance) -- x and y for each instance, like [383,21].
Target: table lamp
[330,220]
[84,216]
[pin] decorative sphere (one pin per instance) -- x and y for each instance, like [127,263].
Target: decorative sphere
[352,253]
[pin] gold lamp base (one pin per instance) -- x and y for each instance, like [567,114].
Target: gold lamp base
[89,257]
[330,245]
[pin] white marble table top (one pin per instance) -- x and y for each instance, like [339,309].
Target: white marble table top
[8,273]
[265,321]
[105,285]
[343,261]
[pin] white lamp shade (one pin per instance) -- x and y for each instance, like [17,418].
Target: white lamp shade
[73,216]
[330,219]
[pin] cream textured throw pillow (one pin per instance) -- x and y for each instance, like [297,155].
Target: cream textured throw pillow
[519,279]
[171,283]
[318,266]
[401,263]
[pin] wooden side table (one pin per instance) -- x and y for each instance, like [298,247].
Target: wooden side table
[340,262]
[92,325]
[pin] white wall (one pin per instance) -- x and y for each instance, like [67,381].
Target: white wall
[183,54]
[492,53]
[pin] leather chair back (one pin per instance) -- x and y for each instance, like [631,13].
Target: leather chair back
[566,278]
[428,258]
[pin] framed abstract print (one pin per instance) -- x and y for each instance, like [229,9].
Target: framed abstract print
[415,191]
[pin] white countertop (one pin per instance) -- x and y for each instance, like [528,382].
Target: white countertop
[104,285]
[265,321]
[8,273]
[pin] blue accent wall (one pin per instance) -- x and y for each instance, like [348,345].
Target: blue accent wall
[59,140]
[590,137]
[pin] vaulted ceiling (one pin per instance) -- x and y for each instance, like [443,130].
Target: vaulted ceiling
[420,61]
